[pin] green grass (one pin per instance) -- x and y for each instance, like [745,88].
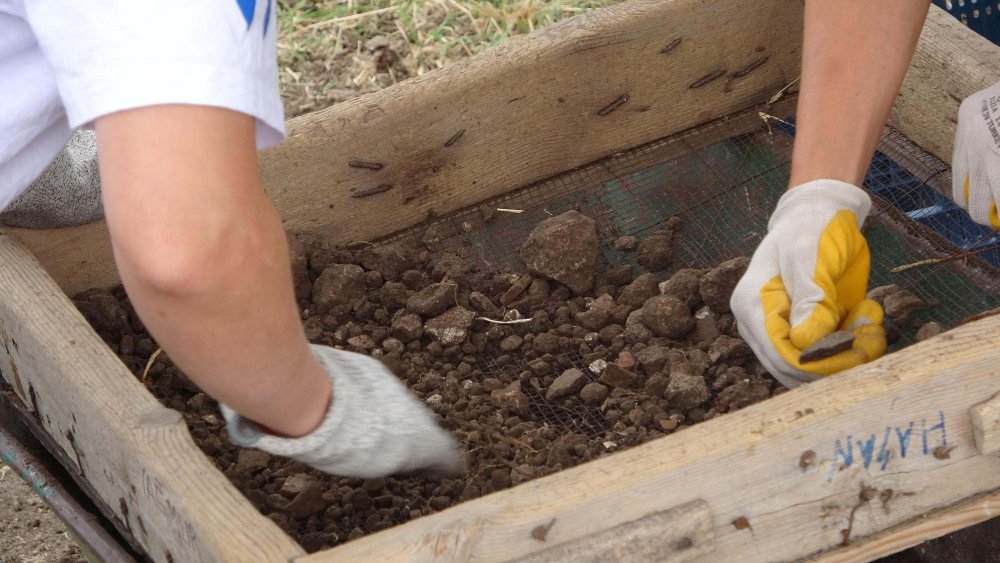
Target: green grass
[326,55]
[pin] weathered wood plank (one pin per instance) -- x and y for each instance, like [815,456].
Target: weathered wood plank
[136,454]
[951,62]
[986,425]
[580,90]
[923,528]
[845,457]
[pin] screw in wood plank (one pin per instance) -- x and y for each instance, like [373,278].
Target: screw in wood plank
[541,531]
[619,102]
[807,458]
[366,165]
[750,68]
[710,77]
[454,138]
[671,46]
[741,523]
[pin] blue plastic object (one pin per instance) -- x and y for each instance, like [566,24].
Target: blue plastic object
[981,16]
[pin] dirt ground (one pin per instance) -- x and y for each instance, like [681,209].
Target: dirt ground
[29,531]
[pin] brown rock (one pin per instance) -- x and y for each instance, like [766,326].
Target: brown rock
[510,398]
[656,251]
[899,305]
[684,286]
[593,319]
[407,328]
[569,383]
[743,393]
[614,376]
[930,330]
[540,367]
[593,394]
[482,303]
[684,390]
[361,342]
[545,343]
[308,502]
[250,461]
[637,292]
[538,291]
[390,261]
[627,360]
[618,275]
[433,299]
[339,284]
[626,243]
[450,327]
[516,289]
[716,287]
[564,248]
[295,484]
[728,349]
[451,267]
[393,295]
[511,343]
[656,386]
[878,294]
[654,359]
[667,316]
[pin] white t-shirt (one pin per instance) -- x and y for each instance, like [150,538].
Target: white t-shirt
[64,63]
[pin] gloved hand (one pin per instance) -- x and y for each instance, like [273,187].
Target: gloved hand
[808,278]
[375,427]
[67,193]
[975,164]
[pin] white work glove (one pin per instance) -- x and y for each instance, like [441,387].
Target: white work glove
[67,193]
[808,278]
[975,163]
[375,427]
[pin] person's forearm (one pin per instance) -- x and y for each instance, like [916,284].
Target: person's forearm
[854,57]
[203,257]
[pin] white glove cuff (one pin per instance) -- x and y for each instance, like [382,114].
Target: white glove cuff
[823,194]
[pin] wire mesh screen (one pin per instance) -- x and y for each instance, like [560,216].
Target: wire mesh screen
[581,419]
[723,180]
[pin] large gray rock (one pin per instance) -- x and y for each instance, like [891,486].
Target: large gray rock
[564,248]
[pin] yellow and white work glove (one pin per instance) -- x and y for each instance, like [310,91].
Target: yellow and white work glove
[807,279]
[975,163]
[375,427]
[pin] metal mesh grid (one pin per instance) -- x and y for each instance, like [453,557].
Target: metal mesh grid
[582,419]
[723,180]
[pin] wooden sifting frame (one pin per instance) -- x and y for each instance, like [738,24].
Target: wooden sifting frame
[778,480]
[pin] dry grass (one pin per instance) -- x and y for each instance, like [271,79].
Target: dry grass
[333,50]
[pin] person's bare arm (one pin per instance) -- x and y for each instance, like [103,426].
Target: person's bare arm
[203,257]
[854,56]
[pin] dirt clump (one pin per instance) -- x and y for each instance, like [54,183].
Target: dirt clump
[656,252]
